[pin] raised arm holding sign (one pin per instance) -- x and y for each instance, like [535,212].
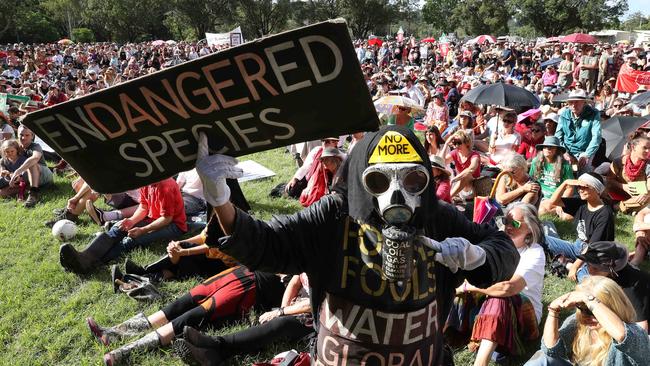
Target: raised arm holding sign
[296,86]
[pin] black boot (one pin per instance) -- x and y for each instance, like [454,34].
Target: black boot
[194,355]
[88,259]
[159,265]
[116,274]
[133,268]
[200,339]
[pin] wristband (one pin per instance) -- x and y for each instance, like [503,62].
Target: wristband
[281,311]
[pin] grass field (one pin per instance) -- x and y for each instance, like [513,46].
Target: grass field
[42,308]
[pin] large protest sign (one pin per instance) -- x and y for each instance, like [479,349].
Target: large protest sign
[234,38]
[295,86]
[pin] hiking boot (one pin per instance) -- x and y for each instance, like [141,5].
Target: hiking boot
[88,259]
[32,198]
[96,214]
[194,355]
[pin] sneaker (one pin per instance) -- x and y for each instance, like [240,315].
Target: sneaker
[65,215]
[59,211]
[32,199]
[96,214]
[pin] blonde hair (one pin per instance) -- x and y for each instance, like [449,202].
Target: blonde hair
[463,137]
[6,144]
[586,351]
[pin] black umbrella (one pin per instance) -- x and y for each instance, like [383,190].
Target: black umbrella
[504,95]
[616,132]
[641,99]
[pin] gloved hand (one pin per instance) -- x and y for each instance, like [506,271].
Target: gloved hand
[213,171]
[456,253]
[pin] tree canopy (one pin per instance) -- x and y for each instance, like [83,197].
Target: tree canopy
[137,20]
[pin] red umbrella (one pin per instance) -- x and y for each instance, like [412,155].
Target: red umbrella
[375,42]
[483,39]
[579,38]
[429,40]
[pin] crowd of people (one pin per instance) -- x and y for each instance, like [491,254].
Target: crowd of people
[479,285]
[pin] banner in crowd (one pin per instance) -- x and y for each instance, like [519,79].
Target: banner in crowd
[629,80]
[296,86]
[7,100]
[233,38]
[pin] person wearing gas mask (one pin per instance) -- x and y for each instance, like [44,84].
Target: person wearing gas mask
[383,256]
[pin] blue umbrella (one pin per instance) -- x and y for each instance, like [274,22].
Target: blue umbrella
[551,62]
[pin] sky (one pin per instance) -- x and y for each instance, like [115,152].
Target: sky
[638,5]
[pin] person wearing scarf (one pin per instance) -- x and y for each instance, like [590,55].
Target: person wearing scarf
[632,167]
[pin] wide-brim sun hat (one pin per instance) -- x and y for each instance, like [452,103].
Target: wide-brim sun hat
[551,141]
[577,95]
[437,162]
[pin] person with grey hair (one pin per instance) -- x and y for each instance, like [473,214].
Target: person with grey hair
[511,310]
[520,186]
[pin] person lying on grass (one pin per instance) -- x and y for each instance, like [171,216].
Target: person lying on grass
[229,295]
[292,321]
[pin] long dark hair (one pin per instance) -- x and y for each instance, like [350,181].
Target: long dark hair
[557,166]
[436,132]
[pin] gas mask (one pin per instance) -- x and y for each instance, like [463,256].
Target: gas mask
[397,188]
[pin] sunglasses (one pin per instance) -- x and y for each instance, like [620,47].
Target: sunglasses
[509,121]
[535,130]
[618,105]
[331,141]
[585,310]
[511,222]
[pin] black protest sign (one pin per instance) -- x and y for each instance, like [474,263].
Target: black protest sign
[296,86]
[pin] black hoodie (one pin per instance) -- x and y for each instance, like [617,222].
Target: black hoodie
[357,313]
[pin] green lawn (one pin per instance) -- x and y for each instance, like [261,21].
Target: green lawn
[43,308]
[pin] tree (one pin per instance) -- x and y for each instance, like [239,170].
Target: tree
[203,15]
[8,10]
[555,17]
[636,21]
[483,16]
[63,14]
[83,35]
[263,17]
[364,16]
[438,14]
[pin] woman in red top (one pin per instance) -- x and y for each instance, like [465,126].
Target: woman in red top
[528,147]
[467,164]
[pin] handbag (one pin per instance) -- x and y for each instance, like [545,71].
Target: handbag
[485,207]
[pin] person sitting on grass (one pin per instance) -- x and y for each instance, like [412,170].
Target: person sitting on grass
[521,187]
[187,258]
[440,175]
[11,158]
[124,204]
[159,216]
[594,220]
[299,180]
[38,174]
[627,170]
[292,322]
[600,332]
[549,169]
[510,311]
[321,175]
[227,296]
[467,164]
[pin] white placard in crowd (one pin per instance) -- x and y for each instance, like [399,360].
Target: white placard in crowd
[234,38]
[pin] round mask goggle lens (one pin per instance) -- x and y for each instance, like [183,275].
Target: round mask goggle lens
[378,182]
